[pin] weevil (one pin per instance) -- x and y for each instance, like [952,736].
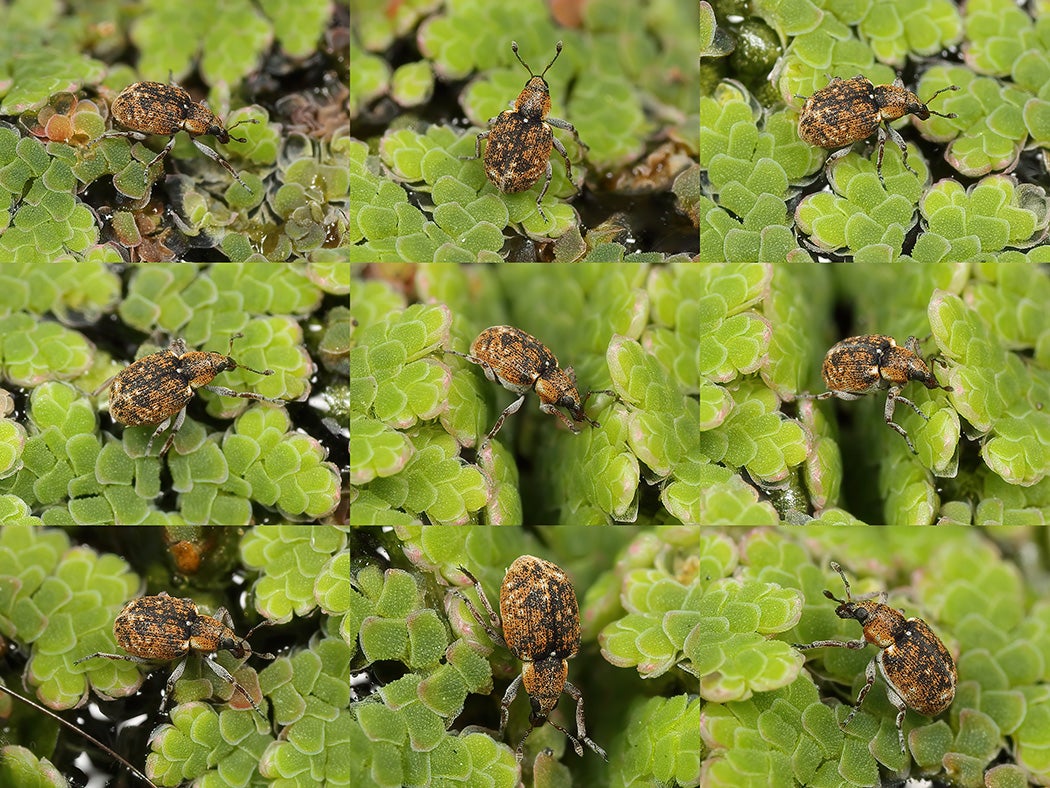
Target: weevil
[146,108]
[860,365]
[541,627]
[849,110]
[519,362]
[918,669]
[163,628]
[157,387]
[520,139]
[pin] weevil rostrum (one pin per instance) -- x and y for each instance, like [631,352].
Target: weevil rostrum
[860,365]
[541,627]
[162,628]
[146,108]
[156,388]
[849,110]
[520,139]
[519,362]
[918,669]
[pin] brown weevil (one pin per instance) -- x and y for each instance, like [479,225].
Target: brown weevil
[519,362]
[162,628]
[541,627]
[520,139]
[860,365]
[146,108]
[917,667]
[157,387]
[849,110]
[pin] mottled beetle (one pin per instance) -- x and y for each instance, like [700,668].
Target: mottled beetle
[158,387]
[541,627]
[860,365]
[520,139]
[154,108]
[520,362]
[849,110]
[162,628]
[917,667]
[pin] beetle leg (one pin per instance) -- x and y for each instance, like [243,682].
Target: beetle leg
[219,160]
[125,657]
[103,387]
[477,144]
[225,392]
[564,124]
[226,676]
[575,742]
[543,191]
[170,686]
[581,730]
[511,408]
[837,155]
[912,405]
[181,417]
[493,630]
[568,165]
[891,401]
[855,644]
[902,709]
[869,675]
[504,713]
[583,404]
[489,373]
[160,428]
[222,615]
[161,155]
[551,409]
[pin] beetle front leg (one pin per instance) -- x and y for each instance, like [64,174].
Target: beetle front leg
[854,644]
[552,410]
[226,676]
[218,160]
[225,392]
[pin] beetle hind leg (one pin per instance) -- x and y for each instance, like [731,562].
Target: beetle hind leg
[869,676]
